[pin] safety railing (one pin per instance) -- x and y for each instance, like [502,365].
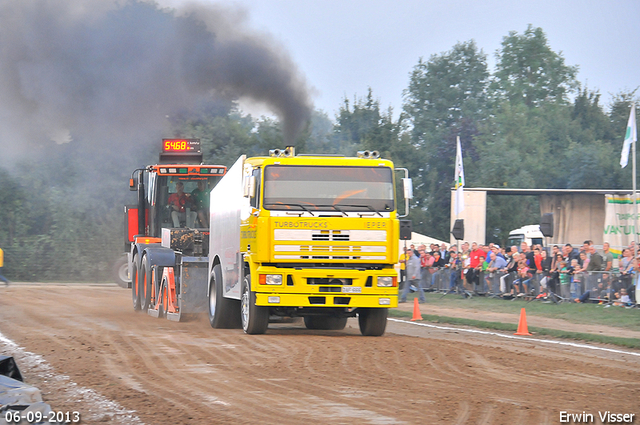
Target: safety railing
[611,288]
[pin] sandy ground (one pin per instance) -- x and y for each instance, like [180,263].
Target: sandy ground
[88,351]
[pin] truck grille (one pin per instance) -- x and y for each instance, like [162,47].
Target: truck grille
[331,235]
[328,281]
[330,244]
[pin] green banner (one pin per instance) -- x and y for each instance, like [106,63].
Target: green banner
[620,220]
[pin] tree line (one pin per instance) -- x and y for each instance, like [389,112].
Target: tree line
[528,123]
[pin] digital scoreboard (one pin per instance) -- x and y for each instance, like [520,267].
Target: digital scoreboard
[181,151]
[181,146]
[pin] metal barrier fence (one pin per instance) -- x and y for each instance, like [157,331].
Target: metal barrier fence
[610,288]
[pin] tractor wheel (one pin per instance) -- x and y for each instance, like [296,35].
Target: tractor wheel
[144,286]
[121,272]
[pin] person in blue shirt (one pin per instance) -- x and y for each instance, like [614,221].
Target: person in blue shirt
[494,264]
[413,277]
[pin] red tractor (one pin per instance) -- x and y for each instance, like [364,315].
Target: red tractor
[170,220]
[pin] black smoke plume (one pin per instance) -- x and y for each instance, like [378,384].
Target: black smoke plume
[109,72]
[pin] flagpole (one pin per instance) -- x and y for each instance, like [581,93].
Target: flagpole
[635,197]
[630,139]
[459,185]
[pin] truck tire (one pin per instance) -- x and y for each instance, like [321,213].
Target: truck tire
[121,272]
[135,296]
[372,321]
[255,319]
[224,313]
[144,287]
[325,323]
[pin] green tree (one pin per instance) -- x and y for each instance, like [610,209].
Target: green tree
[526,140]
[319,135]
[619,117]
[224,133]
[65,218]
[447,97]
[363,126]
[529,71]
[589,114]
[619,113]
[357,124]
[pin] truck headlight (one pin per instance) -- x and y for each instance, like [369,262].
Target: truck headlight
[270,279]
[386,281]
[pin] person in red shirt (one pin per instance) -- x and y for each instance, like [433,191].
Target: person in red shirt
[474,261]
[474,256]
[536,270]
[426,262]
[180,204]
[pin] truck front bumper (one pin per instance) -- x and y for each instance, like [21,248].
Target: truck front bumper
[326,300]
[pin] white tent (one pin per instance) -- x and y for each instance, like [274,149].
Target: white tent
[419,239]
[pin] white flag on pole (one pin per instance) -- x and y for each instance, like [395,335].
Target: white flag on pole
[630,137]
[459,204]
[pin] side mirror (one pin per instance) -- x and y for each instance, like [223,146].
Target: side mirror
[249,186]
[407,186]
[407,189]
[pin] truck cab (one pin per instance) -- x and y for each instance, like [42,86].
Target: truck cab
[172,199]
[305,235]
[160,185]
[530,234]
[179,183]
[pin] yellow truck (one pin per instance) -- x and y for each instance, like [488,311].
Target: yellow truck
[312,236]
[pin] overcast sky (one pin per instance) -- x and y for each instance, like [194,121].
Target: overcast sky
[342,47]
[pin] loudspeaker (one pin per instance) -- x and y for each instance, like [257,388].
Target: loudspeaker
[546,225]
[458,229]
[405,230]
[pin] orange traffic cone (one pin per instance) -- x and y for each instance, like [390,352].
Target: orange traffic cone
[416,311]
[523,329]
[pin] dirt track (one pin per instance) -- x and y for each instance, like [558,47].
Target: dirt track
[146,370]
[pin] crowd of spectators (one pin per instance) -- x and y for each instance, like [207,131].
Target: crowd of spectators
[573,274]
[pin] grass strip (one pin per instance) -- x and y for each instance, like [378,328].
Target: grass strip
[499,326]
[588,314]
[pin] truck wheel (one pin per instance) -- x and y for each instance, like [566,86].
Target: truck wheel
[144,287]
[134,283]
[325,323]
[121,272]
[255,319]
[372,321]
[224,313]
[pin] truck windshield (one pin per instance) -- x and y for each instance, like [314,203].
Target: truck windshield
[328,188]
[188,207]
[515,240]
